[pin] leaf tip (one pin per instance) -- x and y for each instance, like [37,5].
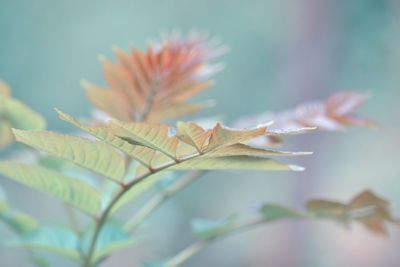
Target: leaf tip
[101,58]
[84,83]
[303,153]
[296,168]
[116,49]
[20,135]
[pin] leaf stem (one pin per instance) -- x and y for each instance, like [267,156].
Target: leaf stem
[104,216]
[156,201]
[198,245]
[149,101]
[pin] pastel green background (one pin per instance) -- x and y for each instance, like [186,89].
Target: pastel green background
[282,53]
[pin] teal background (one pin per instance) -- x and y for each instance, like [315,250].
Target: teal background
[281,53]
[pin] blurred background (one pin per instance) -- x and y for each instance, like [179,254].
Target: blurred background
[281,54]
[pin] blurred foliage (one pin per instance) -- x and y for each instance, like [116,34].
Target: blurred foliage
[281,54]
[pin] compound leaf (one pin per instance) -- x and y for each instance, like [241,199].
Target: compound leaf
[142,154]
[95,156]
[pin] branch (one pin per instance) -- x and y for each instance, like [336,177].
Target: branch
[104,216]
[197,246]
[149,101]
[156,201]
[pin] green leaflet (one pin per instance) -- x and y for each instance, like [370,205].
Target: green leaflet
[95,156]
[167,180]
[142,154]
[234,163]
[112,237]
[208,229]
[20,224]
[67,189]
[38,261]
[3,199]
[107,100]
[327,209]
[154,264]
[246,150]
[17,221]
[275,212]
[64,241]
[53,163]
[19,115]
[6,135]
[58,240]
[14,114]
[154,136]
[4,88]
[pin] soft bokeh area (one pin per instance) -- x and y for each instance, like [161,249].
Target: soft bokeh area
[281,53]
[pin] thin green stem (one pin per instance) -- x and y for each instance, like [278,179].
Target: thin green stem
[156,201]
[197,246]
[187,253]
[104,216]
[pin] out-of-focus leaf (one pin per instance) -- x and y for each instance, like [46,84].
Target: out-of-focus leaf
[107,100]
[38,260]
[19,222]
[53,163]
[208,229]
[57,240]
[235,163]
[344,103]
[67,189]
[177,110]
[327,208]
[366,208]
[3,199]
[6,135]
[15,114]
[333,114]
[154,85]
[372,211]
[19,115]
[166,180]
[112,237]
[275,212]
[95,156]
[154,264]
[4,88]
